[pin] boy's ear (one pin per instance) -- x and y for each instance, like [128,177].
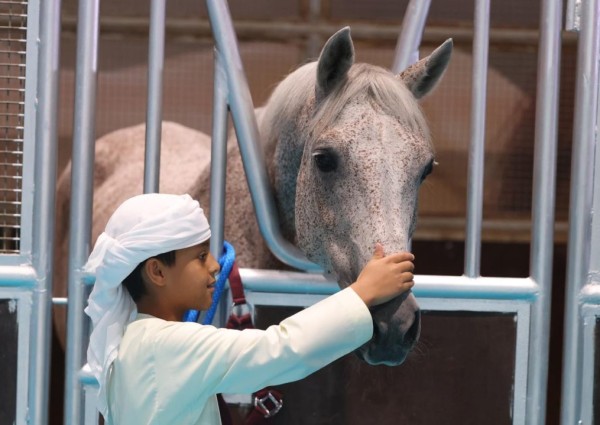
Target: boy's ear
[154,271]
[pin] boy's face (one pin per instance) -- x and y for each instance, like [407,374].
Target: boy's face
[190,281]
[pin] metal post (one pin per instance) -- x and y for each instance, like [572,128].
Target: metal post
[544,183]
[156,59]
[477,145]
[580,207]
[81,202]
[218,162]
[43,215]
[246,129]
[413,24]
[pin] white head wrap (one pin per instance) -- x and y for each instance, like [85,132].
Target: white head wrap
[142,227]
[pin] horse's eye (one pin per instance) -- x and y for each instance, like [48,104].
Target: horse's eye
[427,170]
[326,161]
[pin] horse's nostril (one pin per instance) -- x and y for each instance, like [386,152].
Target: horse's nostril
[412,334]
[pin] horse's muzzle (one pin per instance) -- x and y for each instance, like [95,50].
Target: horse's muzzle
[388,346]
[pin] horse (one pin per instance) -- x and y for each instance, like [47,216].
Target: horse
[347,148]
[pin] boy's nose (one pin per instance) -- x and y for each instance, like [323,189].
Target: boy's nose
[214,266]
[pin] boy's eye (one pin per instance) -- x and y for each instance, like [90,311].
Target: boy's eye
[203,256]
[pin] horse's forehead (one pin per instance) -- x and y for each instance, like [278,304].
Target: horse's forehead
[362,125]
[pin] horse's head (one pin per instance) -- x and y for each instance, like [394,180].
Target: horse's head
[353,148]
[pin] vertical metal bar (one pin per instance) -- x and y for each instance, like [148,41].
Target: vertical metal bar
[413,24]
[586,404]
[156,59]
[519,405]
[246,129]
[218,168]
[580,211]
[544,182]
[43,215]
[594,267]
[477,145]
[218,162]
[81,201]
[573,19]
[314,39]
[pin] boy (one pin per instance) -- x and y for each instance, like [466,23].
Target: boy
[152,264]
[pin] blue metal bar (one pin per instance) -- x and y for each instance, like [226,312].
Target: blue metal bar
[544,183]
[246,129]
[413,24]
[43,212]
[477,145]
[156,59]
[580,208]
[81,202]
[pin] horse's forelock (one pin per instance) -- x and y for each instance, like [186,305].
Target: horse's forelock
[380,87]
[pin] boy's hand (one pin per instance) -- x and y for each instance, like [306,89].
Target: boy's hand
[385,277]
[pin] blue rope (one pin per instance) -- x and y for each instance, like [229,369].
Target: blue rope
[226,262]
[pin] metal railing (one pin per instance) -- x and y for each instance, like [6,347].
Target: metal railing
[583,263]
[30,109]
[528,298]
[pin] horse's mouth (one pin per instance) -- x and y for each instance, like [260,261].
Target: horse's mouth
[387,349]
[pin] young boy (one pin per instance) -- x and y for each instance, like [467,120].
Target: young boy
[152,264]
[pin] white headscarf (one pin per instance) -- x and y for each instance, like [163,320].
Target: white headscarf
[142,227]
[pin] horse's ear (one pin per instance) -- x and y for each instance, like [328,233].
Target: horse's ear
[422,77]
[335,60]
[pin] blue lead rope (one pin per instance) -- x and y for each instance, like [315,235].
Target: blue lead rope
[226,262]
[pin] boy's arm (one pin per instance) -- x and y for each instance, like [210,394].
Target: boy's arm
[222,360]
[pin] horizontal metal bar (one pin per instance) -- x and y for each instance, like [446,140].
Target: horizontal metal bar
[287,282]
[14,276]
[492,288]
[15,40]
[13,77]
[14,52]
[60,300]
[284,30]
[590,294]
[2,238]
[12,65]
[86,377]
[9,27]
[510,225]
[13,15]
[427,286]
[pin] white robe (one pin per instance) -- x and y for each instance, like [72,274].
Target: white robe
[167,373]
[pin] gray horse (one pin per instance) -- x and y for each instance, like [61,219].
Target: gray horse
[346,146]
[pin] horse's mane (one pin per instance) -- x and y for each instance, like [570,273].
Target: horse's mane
[381,87]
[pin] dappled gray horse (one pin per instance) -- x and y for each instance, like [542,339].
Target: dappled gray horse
[346,147]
